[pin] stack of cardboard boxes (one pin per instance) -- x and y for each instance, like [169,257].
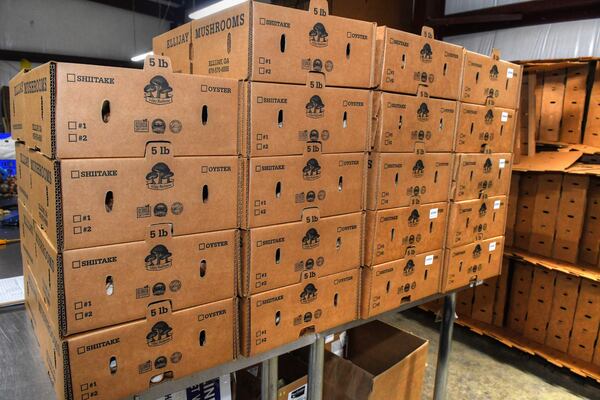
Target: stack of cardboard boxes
[128,206]
[306,117]
[482,170]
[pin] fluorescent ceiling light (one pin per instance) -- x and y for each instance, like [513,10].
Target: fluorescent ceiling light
[141,57]
[215,8]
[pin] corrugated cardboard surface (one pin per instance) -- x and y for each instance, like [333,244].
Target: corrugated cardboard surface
[382,363]
[586,321]
[592,126]
[125,359]
[519,297]
[589,249]
[404,123]
[512,208]
[280,189]
[570,218]
[479,175]
[402,179]
[264,42]
[472,263]
[501,292]
[464,301]
[85,202]
[177,45]
[395,233]
[280,255]
[544,214]
[552,105]
[292,119]
[486,79]
[273,318]
[389,285]
[483,301]
[87,111]
[405,61]
[525,206]
[472,220]
[573,105]
[484,129]
[563,311]
[539,304]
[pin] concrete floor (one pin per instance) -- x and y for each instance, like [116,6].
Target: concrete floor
[482,368]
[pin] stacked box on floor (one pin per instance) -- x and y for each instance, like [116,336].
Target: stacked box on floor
[129,209]
[482,170]
[306,109]
[410,167]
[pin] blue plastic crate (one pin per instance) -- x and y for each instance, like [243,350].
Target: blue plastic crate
[10,166]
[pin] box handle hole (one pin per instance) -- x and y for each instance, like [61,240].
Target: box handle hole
[202,268]
[105,111]
[112,365]
[278,256]
[205,193]
[282,43]
[278,190]
[109,200]
[204,114]
[202,337]
[109,285]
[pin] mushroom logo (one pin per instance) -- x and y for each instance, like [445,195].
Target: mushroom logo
[489,116]
[494,72]
[158,91]
[423,112]
[312,170]
[160,333]
[409,268]
[318,35]
[158,259]
[308,294]
[418,169]
[487,166]
[477,251]
[482,210]
[311,239]
[160,177]
[315,107]
[413,218]
[426,53]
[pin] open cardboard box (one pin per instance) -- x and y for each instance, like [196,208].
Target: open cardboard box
[87,111]
[129,358]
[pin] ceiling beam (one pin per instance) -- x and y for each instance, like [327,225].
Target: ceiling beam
[159,9]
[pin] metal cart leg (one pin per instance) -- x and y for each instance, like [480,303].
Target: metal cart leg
[268,378]
[315,369]
[443,359]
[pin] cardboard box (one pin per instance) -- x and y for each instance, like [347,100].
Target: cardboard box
[519,296]
[544,214]
[96,287]
[591,136]
[279,316]
[405,61]
[574,104]
[485,129]
[563,311]
[399,232]
[280,255]
[27,234]
[589,248]
[525,208]
[129,358]
[570,218]
[177,45]
[469,265]
[268,43]
[586,321]
[18,116]
[382,362]
[501,293]
[87,111]
[80,203]
[483,301]
[512,208]
[464,302]
[539,305]
[553,95]
[480,175]
[477,219]
[404,123]
[389,285]
[282,189]
[403,179]
[488,80]
[298,119]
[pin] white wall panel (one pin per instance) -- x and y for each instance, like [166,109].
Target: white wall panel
[458,6]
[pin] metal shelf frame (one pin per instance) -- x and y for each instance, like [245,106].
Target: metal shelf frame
[316,342]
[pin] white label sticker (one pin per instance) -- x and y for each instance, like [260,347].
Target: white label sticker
[509,73]
[497,204]
[433,213]
[429,259]
[504,116]
[502,163]
[298,394]
[492,246]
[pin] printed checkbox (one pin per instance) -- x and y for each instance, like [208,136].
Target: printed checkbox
[204,169]
[78,305]
[78,315]
[76,218]
[256,203]
[84,387]
[76,264]
[262,21]
[74,174]
[256,213]
[77,230]
[72,125]
[72,137]
[71,78]
[81,350]
[261,70]
[204,88]
[261,60]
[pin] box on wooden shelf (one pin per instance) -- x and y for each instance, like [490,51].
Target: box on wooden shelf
[473,220]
